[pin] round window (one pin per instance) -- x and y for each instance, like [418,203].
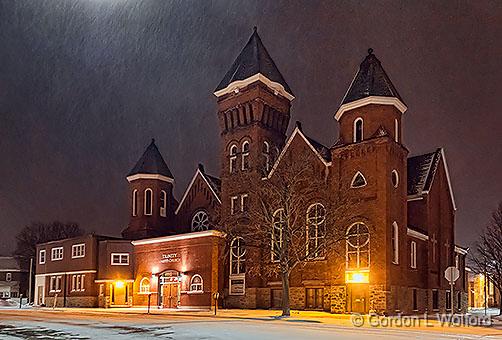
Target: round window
[200,221]
[395,178]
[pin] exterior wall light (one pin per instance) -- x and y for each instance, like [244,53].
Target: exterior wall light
[359,276]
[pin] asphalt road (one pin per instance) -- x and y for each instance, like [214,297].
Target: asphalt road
[73,325]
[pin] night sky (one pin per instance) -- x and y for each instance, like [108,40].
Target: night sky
[85,85]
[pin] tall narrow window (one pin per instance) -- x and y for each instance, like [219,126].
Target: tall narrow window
[395,243]
[233,158]
[237,256]
[244,202]
[396,130]
[135,202]
[233,204]
[414,299]
[357,247]
[163,203]
[148,201]
[266,156]
[278,225]
[413,254]
[316,229]
[358,130]
[245,155]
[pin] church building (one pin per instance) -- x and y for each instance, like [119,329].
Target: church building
[397,224]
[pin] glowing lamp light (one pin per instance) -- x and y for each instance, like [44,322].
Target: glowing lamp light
[155,270]
[357,277]
[119,284]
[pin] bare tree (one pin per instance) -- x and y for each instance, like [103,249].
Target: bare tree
[38,232]
[487,256]
[292,219]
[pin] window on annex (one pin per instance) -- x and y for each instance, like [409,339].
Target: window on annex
[196,284]
[41,257]
[57,253]
[78,250]
[144,286]
[316,230]
[435,299]
[278,225]
[237,256]
[357,247]
[120,259]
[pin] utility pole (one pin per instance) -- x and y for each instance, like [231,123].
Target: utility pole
[30,280]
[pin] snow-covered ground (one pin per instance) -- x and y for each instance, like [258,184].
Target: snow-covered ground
[67,324]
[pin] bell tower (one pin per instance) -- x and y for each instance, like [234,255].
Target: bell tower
[151,200]
[372,162]
[254,104]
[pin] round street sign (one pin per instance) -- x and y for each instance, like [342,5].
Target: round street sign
[451,274]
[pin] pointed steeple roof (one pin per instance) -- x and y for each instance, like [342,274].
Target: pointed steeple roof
[371,80]
[151,163]
[254,59]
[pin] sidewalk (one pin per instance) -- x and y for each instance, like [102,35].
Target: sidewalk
[313,317]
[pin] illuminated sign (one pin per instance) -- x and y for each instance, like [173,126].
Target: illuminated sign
[171,257]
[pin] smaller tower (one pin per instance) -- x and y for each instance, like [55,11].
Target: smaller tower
[151,200]
[371,105]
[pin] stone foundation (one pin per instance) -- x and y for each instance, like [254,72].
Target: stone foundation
[338,299]
[379,299]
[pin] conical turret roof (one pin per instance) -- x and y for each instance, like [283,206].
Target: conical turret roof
[151,162]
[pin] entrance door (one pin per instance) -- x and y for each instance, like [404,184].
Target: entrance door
[358,298]
[119,292]
[170,295]
[276,298]
[40,295]
[314,298]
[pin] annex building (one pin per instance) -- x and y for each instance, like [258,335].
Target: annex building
[398,235]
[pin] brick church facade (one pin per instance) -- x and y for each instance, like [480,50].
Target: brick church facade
[398,234]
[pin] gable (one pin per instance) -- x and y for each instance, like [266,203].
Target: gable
[423,170]
[297,140]
[202,185]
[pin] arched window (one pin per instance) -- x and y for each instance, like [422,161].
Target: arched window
[358,180]
[358,247]
[396,130]
[266,156]
[245,155]
[163,203]
[144,286]
[358,130]
[135,202]
[394,178]
[316,229]
[200,221]
[148,201]
[237,256]
[279,222]
[233,158]
[196,284]
[395,243]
